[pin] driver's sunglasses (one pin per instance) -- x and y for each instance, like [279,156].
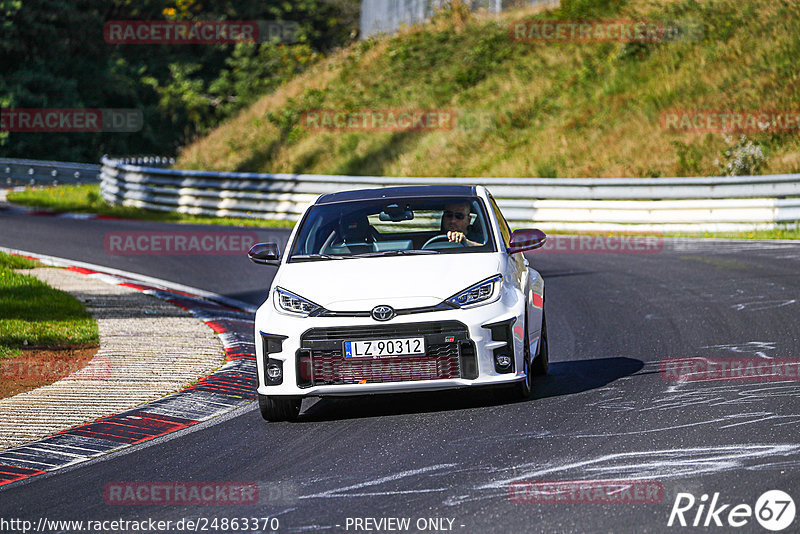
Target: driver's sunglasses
[457,214]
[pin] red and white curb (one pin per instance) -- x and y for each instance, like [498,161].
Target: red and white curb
[233,385]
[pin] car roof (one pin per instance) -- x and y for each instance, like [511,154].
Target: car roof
[400,192]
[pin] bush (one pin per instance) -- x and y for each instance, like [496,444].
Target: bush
[741,158]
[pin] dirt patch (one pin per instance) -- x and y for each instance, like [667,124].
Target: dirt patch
[37,367]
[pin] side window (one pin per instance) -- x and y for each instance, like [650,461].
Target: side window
[505,232]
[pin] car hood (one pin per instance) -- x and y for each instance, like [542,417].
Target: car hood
[360,284]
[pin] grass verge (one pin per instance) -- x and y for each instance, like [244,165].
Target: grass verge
[34,315]
[87,199]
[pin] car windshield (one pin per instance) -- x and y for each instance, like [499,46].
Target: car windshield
[387,227]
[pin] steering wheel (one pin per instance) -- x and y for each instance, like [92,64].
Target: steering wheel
[443,237]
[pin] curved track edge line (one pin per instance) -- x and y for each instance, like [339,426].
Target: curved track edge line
[231,386]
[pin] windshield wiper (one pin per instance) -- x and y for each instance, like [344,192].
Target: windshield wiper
[314,257]
[396,253]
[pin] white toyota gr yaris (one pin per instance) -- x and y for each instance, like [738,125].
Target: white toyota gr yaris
[399,289]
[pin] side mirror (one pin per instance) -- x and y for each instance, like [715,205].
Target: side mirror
[522,240]
[265,254]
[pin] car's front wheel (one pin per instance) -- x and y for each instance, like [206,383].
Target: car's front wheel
[279,408]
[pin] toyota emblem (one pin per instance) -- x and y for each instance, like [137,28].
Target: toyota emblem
[383,313]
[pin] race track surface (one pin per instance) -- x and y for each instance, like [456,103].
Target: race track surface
[608,410]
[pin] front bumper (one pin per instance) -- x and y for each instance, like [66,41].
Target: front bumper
[460,351]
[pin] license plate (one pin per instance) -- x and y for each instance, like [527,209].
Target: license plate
[384,348]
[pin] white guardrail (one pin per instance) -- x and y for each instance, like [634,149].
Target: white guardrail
[696,204]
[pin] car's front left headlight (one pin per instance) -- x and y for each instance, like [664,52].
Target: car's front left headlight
[288,302]
[481,293]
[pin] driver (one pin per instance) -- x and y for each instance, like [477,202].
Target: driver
[455,222]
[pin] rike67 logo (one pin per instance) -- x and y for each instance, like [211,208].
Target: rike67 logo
[774,510]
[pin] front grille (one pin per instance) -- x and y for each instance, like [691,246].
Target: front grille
[321,360]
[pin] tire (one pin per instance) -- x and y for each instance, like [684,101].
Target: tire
[541,363]
[279,408]
[522,389]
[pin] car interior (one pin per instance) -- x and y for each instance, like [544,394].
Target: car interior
[399,225]
[356,235]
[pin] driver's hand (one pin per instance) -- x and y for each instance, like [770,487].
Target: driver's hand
[456,237]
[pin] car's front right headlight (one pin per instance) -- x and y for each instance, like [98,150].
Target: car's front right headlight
[288,302]
[481,293]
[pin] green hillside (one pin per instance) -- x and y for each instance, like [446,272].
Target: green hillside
[567,109]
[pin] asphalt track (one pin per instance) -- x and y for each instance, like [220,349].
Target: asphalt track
[605,412]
